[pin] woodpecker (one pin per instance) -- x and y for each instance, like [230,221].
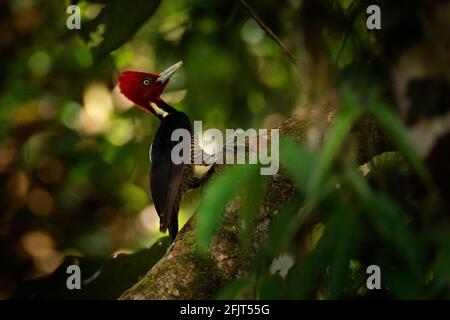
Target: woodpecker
[168,181]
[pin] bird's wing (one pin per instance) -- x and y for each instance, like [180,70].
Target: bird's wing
[166,179]
[165,182]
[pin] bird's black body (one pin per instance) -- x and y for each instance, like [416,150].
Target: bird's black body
[169,181]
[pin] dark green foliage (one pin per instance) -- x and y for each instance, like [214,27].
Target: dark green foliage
[363,224]
[116,24]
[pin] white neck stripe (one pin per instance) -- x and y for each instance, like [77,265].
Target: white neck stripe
[158,110]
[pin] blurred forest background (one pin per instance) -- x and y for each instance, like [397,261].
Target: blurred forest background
[74,152]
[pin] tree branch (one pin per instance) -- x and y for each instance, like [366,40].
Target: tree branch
[267,30]
[184,273]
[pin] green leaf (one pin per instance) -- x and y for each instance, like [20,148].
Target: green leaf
[345,117]
[440,267]
[117,23]
[304,279]
[271,287]
[232,290]
[399,135]
[335,249]
[220,192]
[297,160]
[348,231]
[402,284]
[385,215]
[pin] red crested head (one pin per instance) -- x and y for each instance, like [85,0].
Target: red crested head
[143,88]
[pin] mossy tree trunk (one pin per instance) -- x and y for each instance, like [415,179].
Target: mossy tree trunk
[185,273]
[412,58]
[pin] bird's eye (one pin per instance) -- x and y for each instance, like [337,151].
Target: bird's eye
[146,82]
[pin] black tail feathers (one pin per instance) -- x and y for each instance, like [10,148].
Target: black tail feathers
[173,228]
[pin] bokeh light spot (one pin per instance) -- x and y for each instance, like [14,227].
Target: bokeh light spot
[40,202]
[40,246]
[95,115]
[251,33]
[120,132]
[149,218]
[39,63]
